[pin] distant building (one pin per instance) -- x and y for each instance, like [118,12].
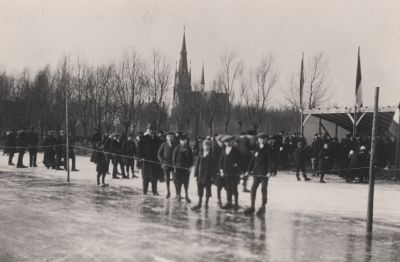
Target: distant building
[189,111]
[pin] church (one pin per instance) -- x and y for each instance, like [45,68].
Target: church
[196,111]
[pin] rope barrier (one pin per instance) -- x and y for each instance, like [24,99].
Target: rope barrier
[29,147]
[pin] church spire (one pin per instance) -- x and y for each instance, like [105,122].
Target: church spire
[183,50]
[202,76]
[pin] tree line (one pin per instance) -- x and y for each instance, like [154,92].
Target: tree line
[127,94]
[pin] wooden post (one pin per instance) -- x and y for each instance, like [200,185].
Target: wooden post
[301,122]
[370,212]
[67,134]
[397,160]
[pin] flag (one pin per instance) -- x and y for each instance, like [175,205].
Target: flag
[394,126]
[359,102]
[301,81]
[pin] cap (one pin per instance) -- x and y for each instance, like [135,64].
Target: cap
[363,148]
[227,138]
[262,135]
[151,126]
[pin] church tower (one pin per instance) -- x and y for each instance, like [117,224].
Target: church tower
[182,86]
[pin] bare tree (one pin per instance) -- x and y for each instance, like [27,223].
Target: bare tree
[157,82]
[230,71]
[129,90]
[212,105]
[258,89]
[316,90]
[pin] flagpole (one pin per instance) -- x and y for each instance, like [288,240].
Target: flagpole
[67,134]
[301,96]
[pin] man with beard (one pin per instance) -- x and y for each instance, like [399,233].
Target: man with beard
[11,146]
[49,153]
[21,141]
[164,155]
[148,150]
[33,140]
[260,168]
[182,159]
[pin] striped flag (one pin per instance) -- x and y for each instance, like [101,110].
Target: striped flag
[301,81]
[359,101]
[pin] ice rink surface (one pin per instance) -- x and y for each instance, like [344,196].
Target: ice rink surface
[42,218]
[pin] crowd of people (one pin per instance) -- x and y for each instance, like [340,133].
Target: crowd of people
[54,148]
[219,160]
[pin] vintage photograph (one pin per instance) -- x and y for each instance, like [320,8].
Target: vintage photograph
[208,130]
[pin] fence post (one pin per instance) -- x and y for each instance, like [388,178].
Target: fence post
[370,212]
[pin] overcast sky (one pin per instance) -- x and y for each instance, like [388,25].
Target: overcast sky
[38,32]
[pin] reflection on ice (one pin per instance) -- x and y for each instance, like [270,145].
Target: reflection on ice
[46,220]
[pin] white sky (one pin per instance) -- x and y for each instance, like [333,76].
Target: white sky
[38,32]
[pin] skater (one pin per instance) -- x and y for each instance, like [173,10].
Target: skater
[205,171]
[49,152]
[217,148]
[229,168]
[60,150]
[274,154]
[116,152]
[101,164]
[315,150]
[260,168]
[182,159]
[129,151]
[32,140]
[95,139]
[245,151]
[21,141]
[363,164]
[11,146]
[165,158]
[324,161]
[71,155]
[147,151]
[299,156]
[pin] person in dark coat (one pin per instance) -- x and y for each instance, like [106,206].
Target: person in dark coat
[32,141]
[300,158]
[243,144]
[217,148]
[324,161]
[101,164]
[129,150]
[71,154]
[60,150]
[316,146]
[116,151]
[182,159]
[164,156]
[260,168]
[205,171]
[49,150]
[96,138]
[148,150]
[11,146]
[274,155]
[230,170]
[107,140]
[363,164]
[21,143]
[353,165]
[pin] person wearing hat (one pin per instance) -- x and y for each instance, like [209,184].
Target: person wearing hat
[274,155]
[116,152]
[300,158]
[217,148]
[21,143]
[129,152]
[101,164]
[244,146]
[61,142]
[205,171]
[260,168]
[32,140]
[147,152]
[363,164]
[164,155]
[49,150]
[11,146]
[324,161]
[96,138]
[182,160]
[230,170]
